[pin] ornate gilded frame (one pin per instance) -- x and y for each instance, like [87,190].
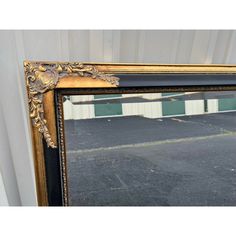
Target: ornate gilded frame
[47,82]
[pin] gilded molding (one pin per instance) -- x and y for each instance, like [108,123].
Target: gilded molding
[62,150]
[42,77]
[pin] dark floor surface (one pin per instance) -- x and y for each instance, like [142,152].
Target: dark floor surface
[136,161]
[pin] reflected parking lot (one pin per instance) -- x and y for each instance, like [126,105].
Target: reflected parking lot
[141,154]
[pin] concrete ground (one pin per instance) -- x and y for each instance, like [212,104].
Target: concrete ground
[136,161]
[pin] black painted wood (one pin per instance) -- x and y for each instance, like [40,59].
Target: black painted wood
[53,175]
[173,80]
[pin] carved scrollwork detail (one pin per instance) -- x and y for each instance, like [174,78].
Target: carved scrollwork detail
[42,77]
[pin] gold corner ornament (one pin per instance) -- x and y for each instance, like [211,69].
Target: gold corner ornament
[42,77]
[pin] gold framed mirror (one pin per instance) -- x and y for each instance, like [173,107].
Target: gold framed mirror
[132,134]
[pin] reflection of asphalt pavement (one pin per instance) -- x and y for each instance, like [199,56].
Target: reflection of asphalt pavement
[140,161]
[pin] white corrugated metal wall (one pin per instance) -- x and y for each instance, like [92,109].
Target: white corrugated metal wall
[164,46]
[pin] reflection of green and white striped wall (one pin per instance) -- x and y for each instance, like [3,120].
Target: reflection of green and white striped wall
[107,109]
[147,109]
[227,104]
[170,108]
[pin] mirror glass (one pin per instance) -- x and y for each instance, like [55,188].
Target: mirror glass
[153,149]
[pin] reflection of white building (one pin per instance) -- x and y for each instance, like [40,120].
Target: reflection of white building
[75,109]
[72,112]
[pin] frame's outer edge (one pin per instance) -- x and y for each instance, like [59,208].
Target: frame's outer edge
[39,165]
[153,67]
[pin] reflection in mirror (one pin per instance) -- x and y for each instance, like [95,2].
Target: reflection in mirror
[159,149]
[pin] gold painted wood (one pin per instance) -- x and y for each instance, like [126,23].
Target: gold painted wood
[42,77]
[156,68]
[86,82]
[41,80]
[175,69]
[39,166]
[62,143]
[49,114]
